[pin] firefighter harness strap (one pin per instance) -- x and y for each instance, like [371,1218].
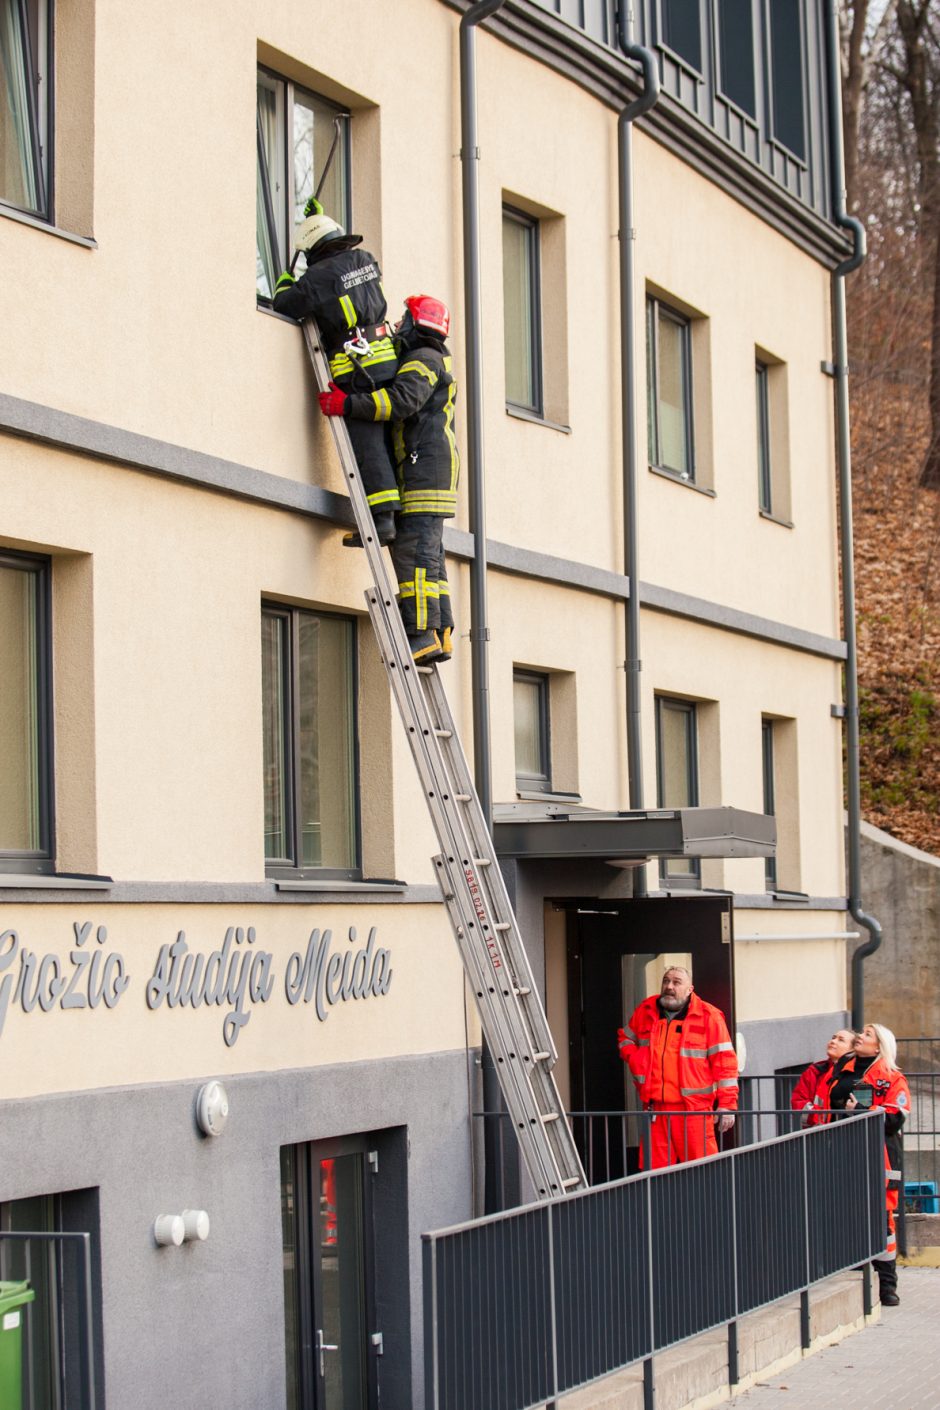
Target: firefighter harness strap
[471,882]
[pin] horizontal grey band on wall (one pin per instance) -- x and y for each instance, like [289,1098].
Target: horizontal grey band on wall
[606,75]
[197,893]
[65,431]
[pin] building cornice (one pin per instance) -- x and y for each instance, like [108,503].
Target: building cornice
[601,71]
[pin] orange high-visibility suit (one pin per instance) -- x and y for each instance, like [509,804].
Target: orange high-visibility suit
[681,1063]
[891,1092]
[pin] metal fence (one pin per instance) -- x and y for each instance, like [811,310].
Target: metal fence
[58,1336]
[525,1306]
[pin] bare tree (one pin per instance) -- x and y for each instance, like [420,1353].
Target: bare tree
[864,28]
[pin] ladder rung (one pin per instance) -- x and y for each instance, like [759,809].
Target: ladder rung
[549,1116]
[463,797]
[502,925]
[571,1180]
[540,1057]
[521,993]
[423,670]
[482,861]
[443,734]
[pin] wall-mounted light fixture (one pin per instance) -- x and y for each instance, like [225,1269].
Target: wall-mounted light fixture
[211,1108]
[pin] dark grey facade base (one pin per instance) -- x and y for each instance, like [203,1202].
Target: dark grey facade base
[681,832]
[202,1326]
[257,893]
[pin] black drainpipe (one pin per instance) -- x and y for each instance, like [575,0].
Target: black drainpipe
[628,404]
[844,451]
[473,400]
[479,624]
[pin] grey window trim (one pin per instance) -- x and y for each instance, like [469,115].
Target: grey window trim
[283,252]
[290,868]
[767,770]
[39,861]
[542,781]
[654,307]
[693,878]
[533,252]
[765,488]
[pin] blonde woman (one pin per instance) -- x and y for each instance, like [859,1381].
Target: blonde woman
[873,1068]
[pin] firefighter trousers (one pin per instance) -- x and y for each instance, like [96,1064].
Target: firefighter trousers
[418,557]
[375,465]
[675,1138]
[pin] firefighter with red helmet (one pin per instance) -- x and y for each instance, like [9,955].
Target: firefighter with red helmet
[342,288]
[683,1062]
[419,406]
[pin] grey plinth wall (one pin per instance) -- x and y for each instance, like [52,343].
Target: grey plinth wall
[901,886]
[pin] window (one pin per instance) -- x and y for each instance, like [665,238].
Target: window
[296,135]
[531,720]
[677,773]
[669,389]
[765,483]
[682,30]
[736,53]
[521,311]
[25,716]
[308,694]
[42,1244]
[767,755]
[786,75]
[24,117]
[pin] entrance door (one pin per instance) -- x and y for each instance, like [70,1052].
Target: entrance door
[326,1222]
[616,955]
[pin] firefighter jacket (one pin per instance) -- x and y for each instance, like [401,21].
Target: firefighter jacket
[893,1094]
[687,1059]
[343,291]
[420,405]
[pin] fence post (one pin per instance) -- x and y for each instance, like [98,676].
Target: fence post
[804,1295]
[866,1289]
[733,1325]
[552,1303]
[649,1383]
[902,1209]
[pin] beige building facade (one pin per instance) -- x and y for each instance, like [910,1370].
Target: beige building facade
[215,862]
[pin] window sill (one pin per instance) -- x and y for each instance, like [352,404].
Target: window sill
[37,223]
[546,796]
[520,414]
[312,884]
[682,480]
[47,881]
[775,519]
[273,313]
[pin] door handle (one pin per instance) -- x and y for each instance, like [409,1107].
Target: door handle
[321,1347]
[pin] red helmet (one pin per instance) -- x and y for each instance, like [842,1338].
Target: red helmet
[429,313]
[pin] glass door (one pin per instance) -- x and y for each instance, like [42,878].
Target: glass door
[327,1282]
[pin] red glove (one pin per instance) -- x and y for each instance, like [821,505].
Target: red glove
[332,402]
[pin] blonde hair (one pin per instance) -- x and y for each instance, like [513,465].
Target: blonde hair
[887,1046]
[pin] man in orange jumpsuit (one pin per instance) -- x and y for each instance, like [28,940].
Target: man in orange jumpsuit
[683,1062]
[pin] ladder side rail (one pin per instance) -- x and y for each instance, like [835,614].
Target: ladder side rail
[490,878]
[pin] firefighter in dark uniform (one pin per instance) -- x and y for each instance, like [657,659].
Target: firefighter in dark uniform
[419,404]
[342,288]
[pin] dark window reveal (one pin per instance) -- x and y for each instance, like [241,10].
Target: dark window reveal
[736,53]
[786,73]
[682,30]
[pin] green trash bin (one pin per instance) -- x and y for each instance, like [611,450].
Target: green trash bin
[13,1298]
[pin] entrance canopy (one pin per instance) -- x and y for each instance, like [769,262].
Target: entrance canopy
[555,830]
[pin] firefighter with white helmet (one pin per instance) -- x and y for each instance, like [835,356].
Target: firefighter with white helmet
[419,405]
[342,288]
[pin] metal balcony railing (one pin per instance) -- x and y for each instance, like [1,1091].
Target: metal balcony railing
[525,1306]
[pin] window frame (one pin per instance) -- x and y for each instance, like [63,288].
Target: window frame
[800,156]
[40,860]
[655,306]
[39,82]
[688,64]
[750,114]
[293,868]
[281,242]
[765,480]
[540,782]
[532,247]
[688,708]
[769,794]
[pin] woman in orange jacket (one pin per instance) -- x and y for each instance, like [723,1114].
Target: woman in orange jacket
[811,1093]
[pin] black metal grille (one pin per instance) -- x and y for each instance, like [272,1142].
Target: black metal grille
[525,1306]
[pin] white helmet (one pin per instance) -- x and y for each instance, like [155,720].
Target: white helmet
[314,230]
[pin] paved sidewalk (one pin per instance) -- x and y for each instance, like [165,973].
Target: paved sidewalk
[892,1365]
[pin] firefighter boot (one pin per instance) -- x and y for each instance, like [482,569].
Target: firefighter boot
[384,529]
[887,1270]
[447,644]
[425,647]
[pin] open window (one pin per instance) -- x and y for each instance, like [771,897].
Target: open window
[299,134]
[25,88]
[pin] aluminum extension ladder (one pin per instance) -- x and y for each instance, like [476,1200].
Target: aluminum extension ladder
[471,882]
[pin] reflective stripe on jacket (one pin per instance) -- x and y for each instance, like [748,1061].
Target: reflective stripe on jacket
[689,1059]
